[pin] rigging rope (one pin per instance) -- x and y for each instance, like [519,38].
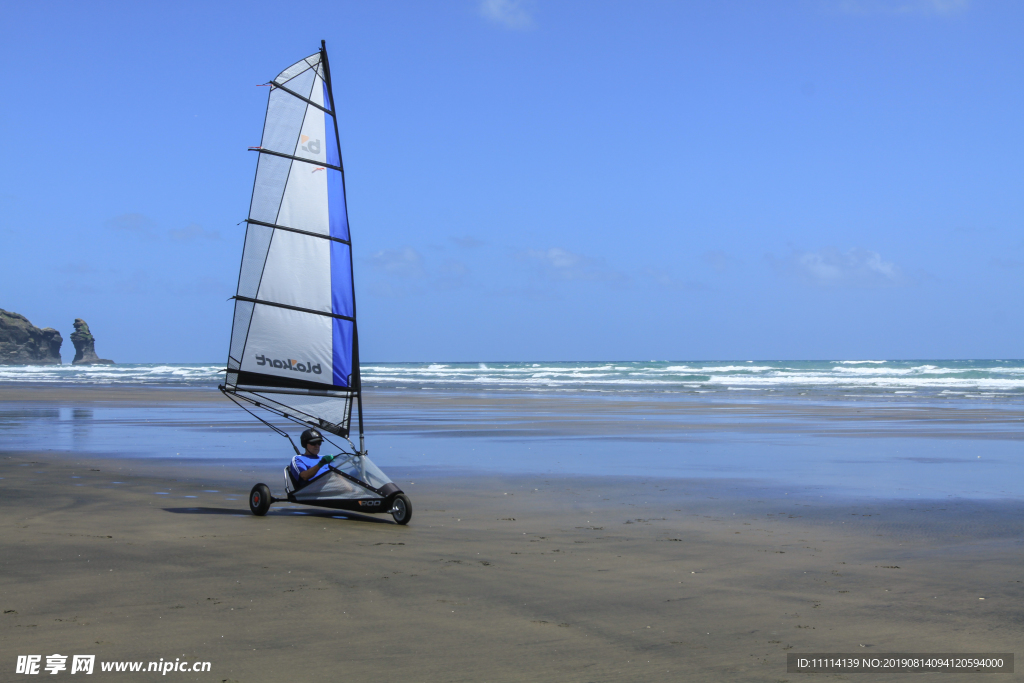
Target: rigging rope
[235,399]
[273,427]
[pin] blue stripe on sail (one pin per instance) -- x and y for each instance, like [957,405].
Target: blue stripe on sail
[342,296]
[342,352]
[341,303]
[335,188]
[341,279]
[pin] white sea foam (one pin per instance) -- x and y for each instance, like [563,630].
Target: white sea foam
[113,374]
[962,377]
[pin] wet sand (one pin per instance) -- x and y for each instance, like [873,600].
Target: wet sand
[499,577]
[652,417]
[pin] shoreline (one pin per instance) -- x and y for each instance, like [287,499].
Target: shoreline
[849,449]
[441,401]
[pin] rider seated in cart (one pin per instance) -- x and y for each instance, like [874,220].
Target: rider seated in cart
[309,465]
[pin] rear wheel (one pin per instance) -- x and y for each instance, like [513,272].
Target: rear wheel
[259,499]
[401,509]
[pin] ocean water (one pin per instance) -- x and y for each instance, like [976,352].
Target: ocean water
[970,379]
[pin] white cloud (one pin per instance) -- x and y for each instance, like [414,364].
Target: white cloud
[451,274]
[718,260]
[404,272]
[193,231]
[508,13]
[133,223]
[200,286]
[831,267]
[666,280]
[1008,263]
[940,7]
[468,242]
[405,262]
[79,268]
[139,282]
[143,226]
[561,264]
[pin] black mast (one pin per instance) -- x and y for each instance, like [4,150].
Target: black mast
[356,377]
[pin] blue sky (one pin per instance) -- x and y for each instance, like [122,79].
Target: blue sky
[537,180]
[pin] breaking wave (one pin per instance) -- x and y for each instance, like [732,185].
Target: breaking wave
[944,378]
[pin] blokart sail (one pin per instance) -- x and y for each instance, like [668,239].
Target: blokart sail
[294,347]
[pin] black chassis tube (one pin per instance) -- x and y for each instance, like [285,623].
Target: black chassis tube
[364,505]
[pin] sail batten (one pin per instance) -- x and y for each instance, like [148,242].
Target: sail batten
[304,99]
[293,308]
[295,158]
[294,330]
[301,232]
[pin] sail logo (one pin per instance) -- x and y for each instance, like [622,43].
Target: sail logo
[290,364]
[311,146]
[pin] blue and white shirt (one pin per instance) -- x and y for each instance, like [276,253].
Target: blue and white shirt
[301,463]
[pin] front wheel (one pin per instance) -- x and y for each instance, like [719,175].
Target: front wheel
[259,499]
[401,509]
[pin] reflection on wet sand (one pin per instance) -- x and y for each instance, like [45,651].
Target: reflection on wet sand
[868,448]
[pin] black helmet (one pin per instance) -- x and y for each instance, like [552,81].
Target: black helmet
[310,436]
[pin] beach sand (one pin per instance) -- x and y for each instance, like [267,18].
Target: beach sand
[497,578]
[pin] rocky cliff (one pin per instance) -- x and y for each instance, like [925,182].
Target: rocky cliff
[22,343]
[85,346]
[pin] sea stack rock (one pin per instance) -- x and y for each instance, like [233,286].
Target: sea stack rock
[22,343]
[85,346]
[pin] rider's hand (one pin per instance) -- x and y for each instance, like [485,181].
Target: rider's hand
[326,460]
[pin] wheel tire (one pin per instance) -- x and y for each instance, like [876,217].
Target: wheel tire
[401,509]
[259,499]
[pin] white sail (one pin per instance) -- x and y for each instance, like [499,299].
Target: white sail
[294,346]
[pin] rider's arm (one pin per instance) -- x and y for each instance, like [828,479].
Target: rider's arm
[311,472]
